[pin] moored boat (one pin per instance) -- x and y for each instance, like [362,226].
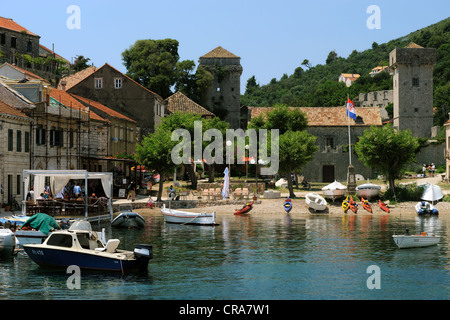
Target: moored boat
[7,243]
[425,208]
[127,218]
[287,205]
[383,206]
[368,190]
[366,205]
[315,201]
[334,190]
[185,217]
[64,248]
[36,229]
[415,241]
[245,209]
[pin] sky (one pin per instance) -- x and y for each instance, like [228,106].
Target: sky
[272,38]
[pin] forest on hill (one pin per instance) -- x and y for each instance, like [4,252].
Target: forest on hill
[318,86]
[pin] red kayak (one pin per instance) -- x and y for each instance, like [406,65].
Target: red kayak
[245,209]
[366,204]
[353,205]
[383,206]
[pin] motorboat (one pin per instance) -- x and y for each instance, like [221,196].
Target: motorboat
[315,201]
[127,218]
[366,205]
[36,229]
[423,239]
[64,248]
[334,190]
[287,205]
[425,208]
[368,190]
[185,217]
[245,209]
[7,243]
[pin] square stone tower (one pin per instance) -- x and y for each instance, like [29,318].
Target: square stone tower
[412,68]
[224,97]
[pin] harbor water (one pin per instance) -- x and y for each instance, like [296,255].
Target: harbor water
[270,257]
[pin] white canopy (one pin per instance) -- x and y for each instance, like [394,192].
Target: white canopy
[59,178]
[432,193]
[335,185]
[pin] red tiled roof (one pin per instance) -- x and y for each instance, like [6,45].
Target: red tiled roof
[75,78]
[70,102]
[102,107]
[26,72]
[219,52]
[332,116]
[10,24]
[7,109]
[179,102]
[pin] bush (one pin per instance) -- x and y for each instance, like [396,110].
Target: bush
[409,192]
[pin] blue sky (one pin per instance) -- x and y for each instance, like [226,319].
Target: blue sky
[271,37]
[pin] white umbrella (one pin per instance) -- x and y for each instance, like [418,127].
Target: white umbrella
[226,184]
[432,193]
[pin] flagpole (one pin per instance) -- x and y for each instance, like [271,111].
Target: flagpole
[349,139]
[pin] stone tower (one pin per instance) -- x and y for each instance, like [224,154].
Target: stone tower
[413,88]
[224,97]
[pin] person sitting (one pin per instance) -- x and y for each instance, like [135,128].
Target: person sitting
[171,192]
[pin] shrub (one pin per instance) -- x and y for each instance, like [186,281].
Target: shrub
[409,192]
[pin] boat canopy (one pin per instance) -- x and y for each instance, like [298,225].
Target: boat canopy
[42,222]
[431,192]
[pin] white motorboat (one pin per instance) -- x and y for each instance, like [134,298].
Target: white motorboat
[7,243]
[334,190]
[425,208]
[127,218]
[315,201]
[368,190]
[415,241]
[185,217]
[64,248]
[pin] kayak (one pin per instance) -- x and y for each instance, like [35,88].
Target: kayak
[366,204]
[245,209]
[383,206]
[287,205]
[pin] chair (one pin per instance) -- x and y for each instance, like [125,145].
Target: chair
[184,194]
[112,245]
[245,193]
[237,193]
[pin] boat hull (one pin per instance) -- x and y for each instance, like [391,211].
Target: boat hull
[7,243]
[334,194]
[57,257]
[415,241]
[30,237]
[315,202]
[128,220]
[183,217]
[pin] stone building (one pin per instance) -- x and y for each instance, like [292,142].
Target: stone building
[225,93]
[330,126]
[178,102]
[380,99]
[348,78]
[119,92]
[16,39]
[413,88]
[15,129]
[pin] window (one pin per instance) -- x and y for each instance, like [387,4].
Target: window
[27,142]
[2,39]
[19,182]
[19,141]
[71,138]
[60,240]
[29,46]
[13,42]
[118,83]
[98,83]
[40,135]
[415,82]
[56,137]
[329,142]
[10,139]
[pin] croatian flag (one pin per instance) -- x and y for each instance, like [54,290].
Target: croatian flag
[351,112]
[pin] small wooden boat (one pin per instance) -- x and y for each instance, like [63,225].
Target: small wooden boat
[287,205]
[415,241]
[245,209]
[366,205]
[334,190]
[67,247]
[127,218]
[368,190]
[7,243]
[185,217]
[426,208]
[315,201]
[383,206]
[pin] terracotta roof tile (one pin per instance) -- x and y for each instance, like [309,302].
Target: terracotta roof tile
[102,107]
[219,52]
[10,24]
[333,116]
[179,102]
[7,109]
[75,78]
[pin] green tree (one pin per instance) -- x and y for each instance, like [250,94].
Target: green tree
[80,63]
[154,152]
[387,150]
[281,117]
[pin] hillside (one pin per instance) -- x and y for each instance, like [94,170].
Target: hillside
[317,85]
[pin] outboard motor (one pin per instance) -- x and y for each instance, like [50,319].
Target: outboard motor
[143,254]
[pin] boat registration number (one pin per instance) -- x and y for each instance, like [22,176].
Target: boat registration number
[37,252]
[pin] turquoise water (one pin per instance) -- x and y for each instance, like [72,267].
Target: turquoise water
[275,257]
